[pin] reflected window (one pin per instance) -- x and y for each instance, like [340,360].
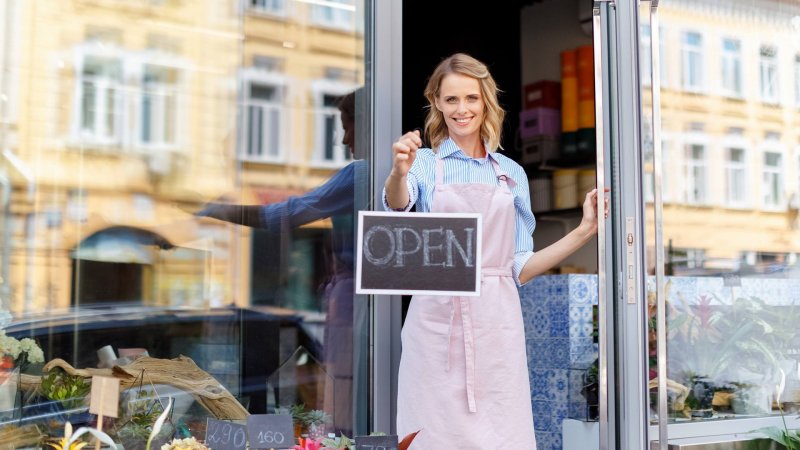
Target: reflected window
[696,174]
[732,67]
[773,180]
[692,61]
[334,14]
[768,68]
[645,59]
[263,120]
[735,177]
[797,80]
[276,7]
[684,261]
[100,99]
[159,108]
[329,150]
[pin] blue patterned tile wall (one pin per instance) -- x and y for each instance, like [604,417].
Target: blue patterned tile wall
[557,310]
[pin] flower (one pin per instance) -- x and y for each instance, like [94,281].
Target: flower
[62,444]
[184,444]
[308,444]
[23,352]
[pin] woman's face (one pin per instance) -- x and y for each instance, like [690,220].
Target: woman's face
[461,103]
[349,137]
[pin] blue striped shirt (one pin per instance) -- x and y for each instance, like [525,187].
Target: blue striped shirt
[460,168]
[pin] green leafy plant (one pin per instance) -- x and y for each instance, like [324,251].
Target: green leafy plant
[70,390]
[784,436]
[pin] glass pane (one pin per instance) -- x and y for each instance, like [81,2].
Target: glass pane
[164,214]
[731,239]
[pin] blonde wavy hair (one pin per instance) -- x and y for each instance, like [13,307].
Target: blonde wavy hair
[461,63]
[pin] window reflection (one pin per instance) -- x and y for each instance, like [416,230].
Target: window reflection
[128,118]
[731,229]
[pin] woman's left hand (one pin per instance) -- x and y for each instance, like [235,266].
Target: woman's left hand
[589,221]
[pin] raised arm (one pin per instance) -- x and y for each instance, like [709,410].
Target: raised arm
[404,151]
[550,256]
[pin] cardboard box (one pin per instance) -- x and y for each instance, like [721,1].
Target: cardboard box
[539,149]
[542,94]
[540,122]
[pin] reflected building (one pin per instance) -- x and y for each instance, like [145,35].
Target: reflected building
[120,107]
[730,109]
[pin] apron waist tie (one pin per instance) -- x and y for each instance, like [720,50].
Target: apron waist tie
[462,304]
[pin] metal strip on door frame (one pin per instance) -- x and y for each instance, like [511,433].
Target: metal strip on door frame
[384,29]
[601,96]
[661,313]
[630,303]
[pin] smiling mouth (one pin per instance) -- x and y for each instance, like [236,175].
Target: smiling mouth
[463,120]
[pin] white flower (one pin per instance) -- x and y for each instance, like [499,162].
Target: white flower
[34,352]
[9,345]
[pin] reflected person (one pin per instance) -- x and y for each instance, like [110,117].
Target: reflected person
[338,199]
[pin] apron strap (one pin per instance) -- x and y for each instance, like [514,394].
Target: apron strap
[461,304]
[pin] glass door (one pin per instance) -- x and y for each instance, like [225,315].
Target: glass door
[720,178]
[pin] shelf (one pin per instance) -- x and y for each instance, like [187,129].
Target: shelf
[567,212]
[561,163]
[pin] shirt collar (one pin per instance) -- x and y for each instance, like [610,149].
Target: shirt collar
[448,147]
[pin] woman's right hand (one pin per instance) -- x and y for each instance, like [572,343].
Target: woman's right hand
[405,151]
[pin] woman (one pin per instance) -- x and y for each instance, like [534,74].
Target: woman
[463,372]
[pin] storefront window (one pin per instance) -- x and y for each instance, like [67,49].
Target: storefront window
[177,193]
[731,265]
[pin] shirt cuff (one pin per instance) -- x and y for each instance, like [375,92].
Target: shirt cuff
[520,259]
[389,208]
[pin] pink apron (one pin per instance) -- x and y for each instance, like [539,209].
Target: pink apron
[463,372]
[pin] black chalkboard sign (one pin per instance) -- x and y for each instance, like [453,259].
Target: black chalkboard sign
[377,443]
[221,435]
[418,253]
[268,431]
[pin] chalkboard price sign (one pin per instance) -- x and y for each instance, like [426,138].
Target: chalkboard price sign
[418,253]
[376,443]
[268,431]
[222,435]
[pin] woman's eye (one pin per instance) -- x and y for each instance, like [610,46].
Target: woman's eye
[450,100]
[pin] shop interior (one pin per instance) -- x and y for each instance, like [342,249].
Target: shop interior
[517,56]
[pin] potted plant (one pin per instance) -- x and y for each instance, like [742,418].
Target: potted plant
[591,391]
[61,396]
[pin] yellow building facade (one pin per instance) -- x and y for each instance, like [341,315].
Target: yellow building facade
[124,112]
[730,108]
[127,116]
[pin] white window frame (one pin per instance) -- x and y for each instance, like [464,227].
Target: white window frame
[321,88]
[649,182]
[738,143]
[796,64]
[774,147]
[768,70]
[100,135]
[162,90]
[795,196]
[687,53]
[645,54]
[690,164]
[731,69]
[336,14]
[128,104]
[275,8]
[249,77]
